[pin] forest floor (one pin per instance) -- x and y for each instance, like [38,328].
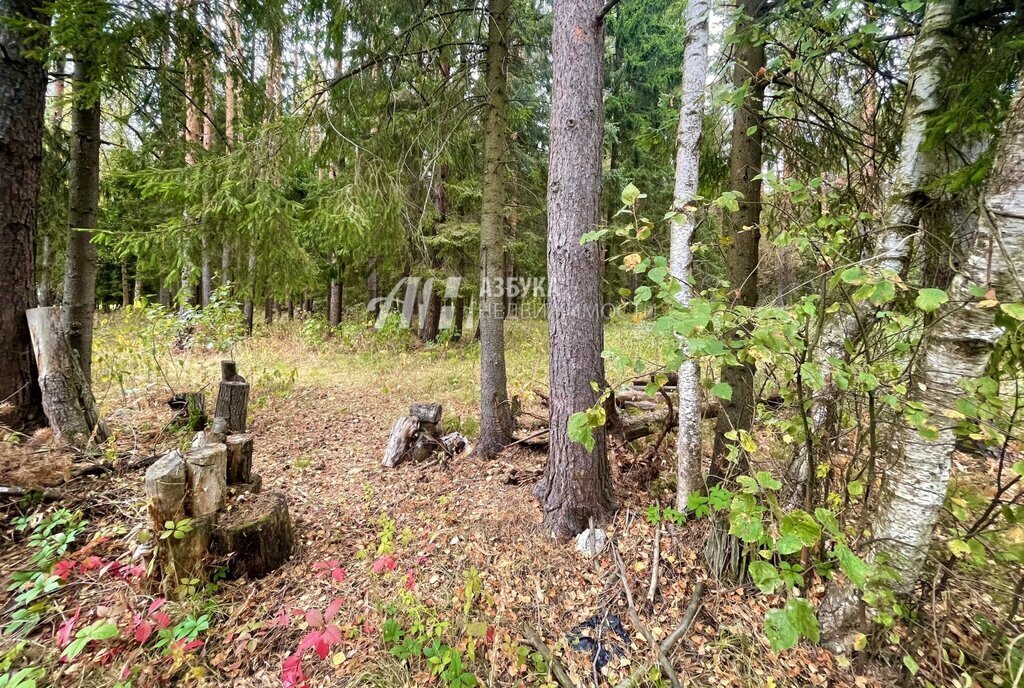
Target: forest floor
[451,551]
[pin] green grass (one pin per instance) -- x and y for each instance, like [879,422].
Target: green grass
[136,360]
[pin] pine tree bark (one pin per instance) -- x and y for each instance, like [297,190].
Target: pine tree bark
[916,167]
[22,112]
[577,483]
[724,553]
[495,412]
[689,475]
[80,265]
[956,349]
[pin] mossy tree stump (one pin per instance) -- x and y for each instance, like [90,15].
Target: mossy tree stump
[256,536]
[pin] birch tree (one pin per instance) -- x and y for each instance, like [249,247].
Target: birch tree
[955,350]
[689,477]
[916,167]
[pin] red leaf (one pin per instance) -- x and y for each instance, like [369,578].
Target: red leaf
[331,636]
[63,569]
[332,609]
[91,563]
[314,618]
[156,604]
[410,581]
[308,641]
[64,631]
[386,562]
[325,565]
[161,619]
[282,619]
[291,672]
[338,575]
[143,631]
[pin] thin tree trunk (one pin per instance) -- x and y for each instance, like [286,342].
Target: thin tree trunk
[495,412]
[126,293]
[193,136]
[743,226]
[334,304]
[689,475]
[209,109]
[22,113]
[80,266]
[929,64]
[45,276]
[956,349]
[137,284]
[577,484]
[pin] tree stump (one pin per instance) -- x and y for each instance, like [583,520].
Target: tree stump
[402,433]
[167,491]
[239,458]
[233,404]
[206,469]
[256,536]
[428,413]
[67,398]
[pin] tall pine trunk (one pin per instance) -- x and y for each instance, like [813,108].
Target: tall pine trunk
[577,483]
[725,558]
[22,112]
[80,266]
[689,477]
[495,412]
[955,349]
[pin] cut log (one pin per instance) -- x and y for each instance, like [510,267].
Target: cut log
[427,413]
[254,486]
[67,398]
[402,433]
[229,372]
[239,458]
[166,483]
[256,536]
[206,470]
[167,490]
[233,404]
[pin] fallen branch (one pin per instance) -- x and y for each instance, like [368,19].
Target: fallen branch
[674,637]
[663,661]
[556,668]
[652,591]
[41,493]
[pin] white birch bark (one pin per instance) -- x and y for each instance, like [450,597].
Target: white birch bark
[689,477]
[929,64]
[957,348]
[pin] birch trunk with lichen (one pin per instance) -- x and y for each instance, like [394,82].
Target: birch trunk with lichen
[689,477]
[916,167]
[955,349]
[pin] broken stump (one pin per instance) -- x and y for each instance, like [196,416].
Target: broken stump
[256,536]
[402,433]
[67,397]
